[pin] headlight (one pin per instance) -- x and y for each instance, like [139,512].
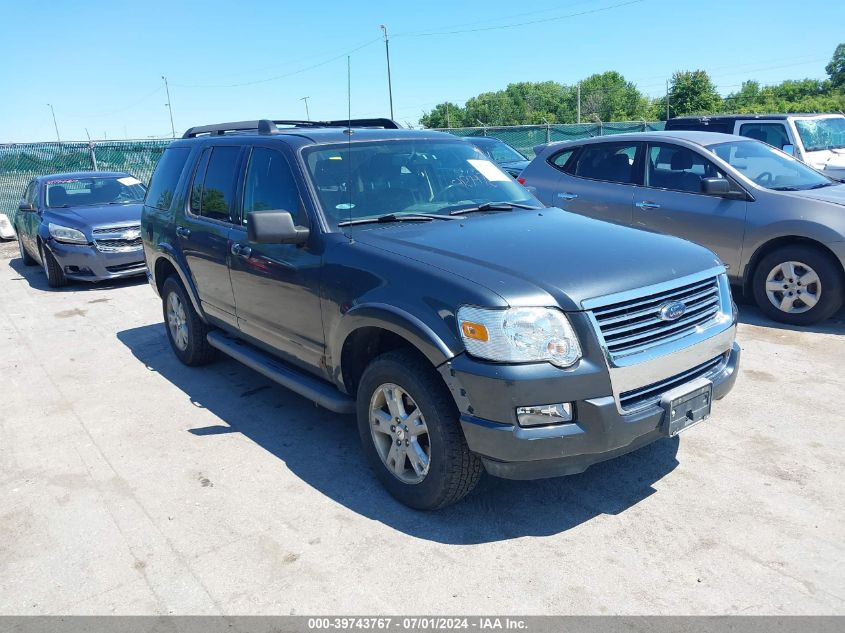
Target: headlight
[519,335]
[65,234]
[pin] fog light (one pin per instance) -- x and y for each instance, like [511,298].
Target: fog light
[544,414]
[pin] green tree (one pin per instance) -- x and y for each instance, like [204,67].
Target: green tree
[609,97]
[836,68]
[446,114]
[692,92]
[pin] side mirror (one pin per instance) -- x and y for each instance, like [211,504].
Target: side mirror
[26,207]
[715,186]
[789,149]
[274,227]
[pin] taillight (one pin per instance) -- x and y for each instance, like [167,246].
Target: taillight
[521,180]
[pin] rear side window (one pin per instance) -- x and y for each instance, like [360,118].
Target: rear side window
[165,177]
[270,185]
[213,191]
[613,162]
[772,133]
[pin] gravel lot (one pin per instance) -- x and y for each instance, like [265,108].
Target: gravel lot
[131,484]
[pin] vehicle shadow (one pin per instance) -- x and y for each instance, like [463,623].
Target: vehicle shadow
[37,280]
[323,450]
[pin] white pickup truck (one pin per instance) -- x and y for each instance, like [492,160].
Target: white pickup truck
[816,139]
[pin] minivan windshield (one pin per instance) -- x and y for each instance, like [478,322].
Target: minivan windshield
[94,191]
[821,133]
[361,180]
[768,167]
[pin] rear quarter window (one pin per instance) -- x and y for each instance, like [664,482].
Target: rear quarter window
[166,177]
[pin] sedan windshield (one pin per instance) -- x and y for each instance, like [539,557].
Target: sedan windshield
[94,191]
[768,167]
[363,180]
[820,134]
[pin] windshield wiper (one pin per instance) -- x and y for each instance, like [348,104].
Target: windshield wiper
[392,217]
[494,206]
[785,189]
[821,184]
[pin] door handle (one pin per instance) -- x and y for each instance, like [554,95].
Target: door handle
[241,251]
[567,196]
[181,231]
[647,206]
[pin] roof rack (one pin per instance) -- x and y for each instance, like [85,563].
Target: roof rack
[268,126]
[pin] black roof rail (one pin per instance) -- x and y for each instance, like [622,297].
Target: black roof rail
[267,126]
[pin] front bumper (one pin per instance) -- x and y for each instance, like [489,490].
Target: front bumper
[85,263]
[600,430]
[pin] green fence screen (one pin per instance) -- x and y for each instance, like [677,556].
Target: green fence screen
[21,162]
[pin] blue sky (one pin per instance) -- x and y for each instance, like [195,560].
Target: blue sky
[100,62]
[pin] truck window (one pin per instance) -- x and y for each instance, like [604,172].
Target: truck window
[772,133]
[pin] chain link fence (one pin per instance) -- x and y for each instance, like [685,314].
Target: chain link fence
[526,137]
[21,162]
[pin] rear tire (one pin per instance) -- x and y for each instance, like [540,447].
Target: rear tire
[186,331]
[788,275]
[432,466]
[26,258]
[55,275]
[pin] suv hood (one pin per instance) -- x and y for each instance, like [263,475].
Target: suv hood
[543,257]
[83,218]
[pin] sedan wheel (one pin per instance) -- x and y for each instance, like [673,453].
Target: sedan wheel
[793,287]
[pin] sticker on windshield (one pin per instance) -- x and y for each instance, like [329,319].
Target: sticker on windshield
[489,170]
[129,181]
[345,205]
[64,181]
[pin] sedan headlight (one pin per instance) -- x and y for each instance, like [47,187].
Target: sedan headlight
[519,335]
[65,234]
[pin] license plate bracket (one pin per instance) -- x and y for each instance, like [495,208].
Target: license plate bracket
[686,405]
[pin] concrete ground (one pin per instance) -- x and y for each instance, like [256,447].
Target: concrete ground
[131,484]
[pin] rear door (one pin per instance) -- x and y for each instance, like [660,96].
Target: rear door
[203,231]
[276,286]
[671,202]
[598,180]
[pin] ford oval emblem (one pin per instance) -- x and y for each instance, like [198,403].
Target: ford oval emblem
[671,311]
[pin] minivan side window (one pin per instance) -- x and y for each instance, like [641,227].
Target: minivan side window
[677,168]
[165,177]
[213,191]
[772,133]
[271,186]
[613,162]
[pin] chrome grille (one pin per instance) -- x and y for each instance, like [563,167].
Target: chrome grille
[102,230]
[651,394]
[635,325]
[112,245]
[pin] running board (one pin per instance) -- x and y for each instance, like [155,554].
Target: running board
[306,386]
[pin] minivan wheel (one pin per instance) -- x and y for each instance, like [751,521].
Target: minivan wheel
[26,258]
[799,285]
[408,424]
[186,331]
[55,275]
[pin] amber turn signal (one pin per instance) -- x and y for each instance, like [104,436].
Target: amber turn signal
[475,331]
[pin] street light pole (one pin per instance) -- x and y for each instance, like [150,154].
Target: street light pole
[387,53]
[56,125]
[169,107]
[307,114]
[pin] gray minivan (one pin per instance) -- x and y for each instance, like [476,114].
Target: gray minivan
[777,224]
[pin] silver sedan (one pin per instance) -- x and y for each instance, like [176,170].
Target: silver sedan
[778,225]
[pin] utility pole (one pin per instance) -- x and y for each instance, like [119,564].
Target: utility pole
[448,121]
[169,107]
[56,125]
[667,99]
[307,114]
[387,53]
[579,102]
[91,152]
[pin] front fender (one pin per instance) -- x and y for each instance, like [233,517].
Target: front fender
[758,238]
[393,319]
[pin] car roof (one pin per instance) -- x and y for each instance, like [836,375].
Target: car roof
[83,174]
[698,137]
[743,117]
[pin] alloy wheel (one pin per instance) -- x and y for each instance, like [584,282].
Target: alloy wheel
[400,433]
[177,321]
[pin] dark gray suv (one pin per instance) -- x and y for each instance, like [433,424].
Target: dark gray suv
[402,276]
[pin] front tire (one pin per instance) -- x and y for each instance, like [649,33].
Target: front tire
[55,275]
[798,285]
[186,331]
[408,424]
[26,258]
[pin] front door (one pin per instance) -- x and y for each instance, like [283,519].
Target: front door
[276,286]
[203,230]
[671,202]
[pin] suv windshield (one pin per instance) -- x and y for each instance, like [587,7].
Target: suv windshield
[769,167]
[498,150]
[366,180]
[86,192]
[821,134]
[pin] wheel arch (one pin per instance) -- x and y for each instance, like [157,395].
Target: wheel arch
[166,264]
[779,242]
